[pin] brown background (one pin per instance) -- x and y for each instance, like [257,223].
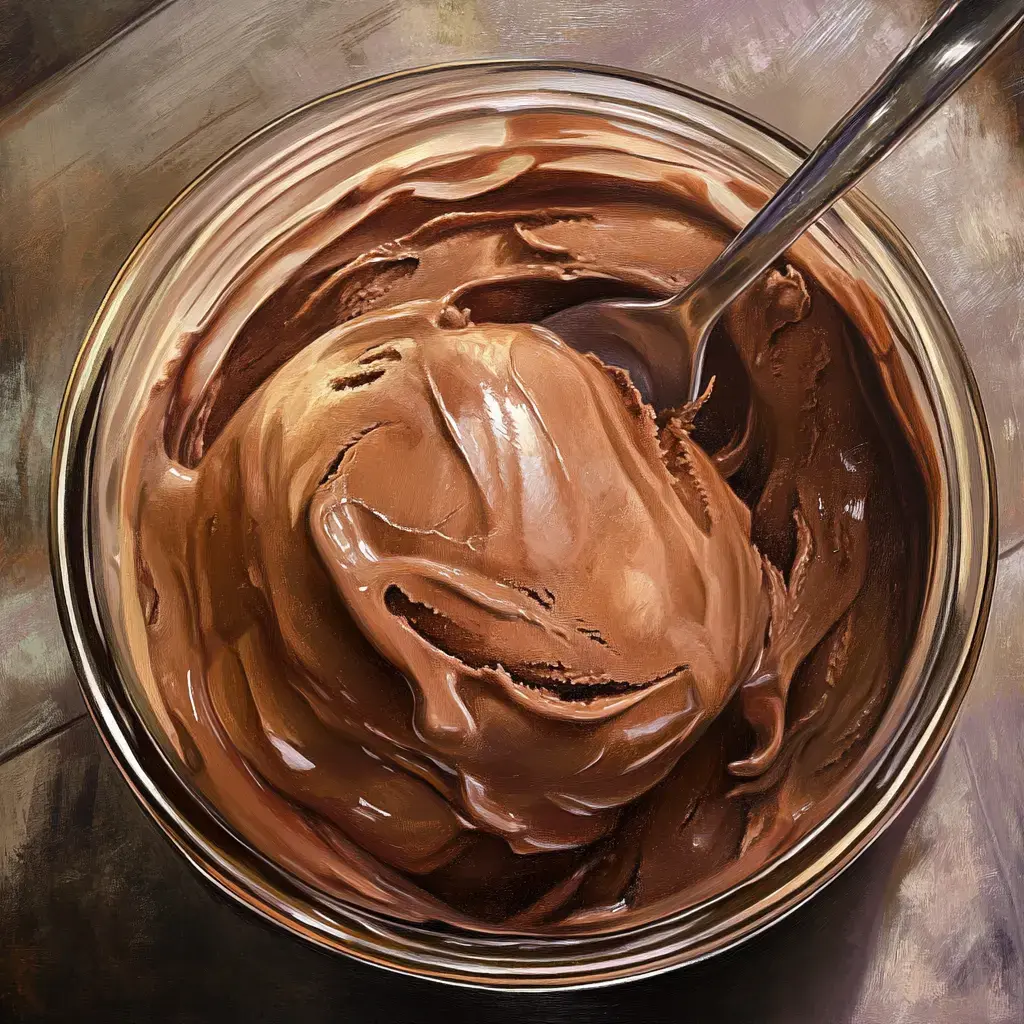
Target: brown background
[39,38]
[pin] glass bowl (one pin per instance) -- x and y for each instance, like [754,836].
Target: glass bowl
[126,348]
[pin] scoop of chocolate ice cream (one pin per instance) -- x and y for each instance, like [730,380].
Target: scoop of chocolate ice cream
[495,513]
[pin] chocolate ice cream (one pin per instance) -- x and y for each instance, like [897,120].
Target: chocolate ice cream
[454,621]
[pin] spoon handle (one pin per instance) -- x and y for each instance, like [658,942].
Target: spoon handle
[947,51]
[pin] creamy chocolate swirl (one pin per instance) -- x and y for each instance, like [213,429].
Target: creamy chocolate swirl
[444,617]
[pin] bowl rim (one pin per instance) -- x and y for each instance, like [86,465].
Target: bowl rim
[69,545]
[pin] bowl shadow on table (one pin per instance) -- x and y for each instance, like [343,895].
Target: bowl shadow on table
[104,921]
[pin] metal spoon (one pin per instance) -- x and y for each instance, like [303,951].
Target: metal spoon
[663,343]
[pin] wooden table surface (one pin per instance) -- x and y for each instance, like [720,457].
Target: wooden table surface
[99,918]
